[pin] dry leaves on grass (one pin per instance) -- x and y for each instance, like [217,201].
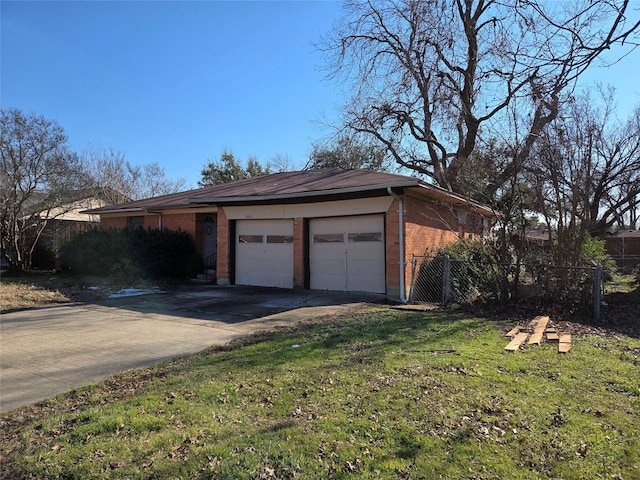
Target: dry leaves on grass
[18,296]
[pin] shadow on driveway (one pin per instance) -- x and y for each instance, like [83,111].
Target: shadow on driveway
[48,351]
[233,304]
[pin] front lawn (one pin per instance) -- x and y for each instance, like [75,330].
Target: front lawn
[380,393]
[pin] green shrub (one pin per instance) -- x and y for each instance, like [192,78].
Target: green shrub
[125,272]
[95,252]
[131,254]
[593,251]
[474,273]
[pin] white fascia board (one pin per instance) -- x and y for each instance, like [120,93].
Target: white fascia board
[337,208]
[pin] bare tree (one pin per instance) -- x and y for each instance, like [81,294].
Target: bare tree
[428,76]
[280,163]
[586,171]
[39,180]
[117,180]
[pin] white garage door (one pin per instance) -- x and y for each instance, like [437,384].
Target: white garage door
[264,253]
[347,253]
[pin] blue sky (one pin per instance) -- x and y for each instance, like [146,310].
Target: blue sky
[172,82]
[179,82]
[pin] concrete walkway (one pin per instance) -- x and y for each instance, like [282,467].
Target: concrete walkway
[47,351]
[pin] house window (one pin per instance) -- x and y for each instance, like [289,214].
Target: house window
[135,222]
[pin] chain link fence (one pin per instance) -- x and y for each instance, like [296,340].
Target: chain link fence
[440,279]
[627,263]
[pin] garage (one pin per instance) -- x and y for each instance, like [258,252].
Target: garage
[347,253]
[324,229]
[264,253]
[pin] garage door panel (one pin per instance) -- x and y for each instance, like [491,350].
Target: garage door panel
[347,253]
[328,275]
[264,253]
[362,277]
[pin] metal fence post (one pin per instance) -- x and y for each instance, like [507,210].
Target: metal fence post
[597,291]
[446,279]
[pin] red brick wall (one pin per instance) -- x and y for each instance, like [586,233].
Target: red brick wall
[392,250]
[427,226]
[107,223]
[176,221]
[186,222]
[298,253]
[151,222]
[170,221]
[223,258]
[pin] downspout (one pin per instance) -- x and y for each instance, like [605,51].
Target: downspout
[403,298]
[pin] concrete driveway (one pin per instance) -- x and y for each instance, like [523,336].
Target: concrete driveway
[47,351]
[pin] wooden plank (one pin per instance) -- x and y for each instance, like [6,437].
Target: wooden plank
[542,324]
[512,332]
[518,340]
[533,322]
[550,330]
[564,347]
[536,337]
[564,343]
[552,336]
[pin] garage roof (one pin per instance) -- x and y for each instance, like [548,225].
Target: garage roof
[301,186]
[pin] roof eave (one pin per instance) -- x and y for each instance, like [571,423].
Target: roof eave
[310,194]
[100,211]
[460,200]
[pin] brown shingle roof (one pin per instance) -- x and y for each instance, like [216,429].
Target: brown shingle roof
[306,184]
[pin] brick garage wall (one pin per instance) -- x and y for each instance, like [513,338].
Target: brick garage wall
[427,226]
[392,256]
[298,253]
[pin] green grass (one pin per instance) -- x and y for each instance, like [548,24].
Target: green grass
[381,394]
[621,283]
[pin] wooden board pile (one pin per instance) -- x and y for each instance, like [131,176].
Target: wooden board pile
[535,332]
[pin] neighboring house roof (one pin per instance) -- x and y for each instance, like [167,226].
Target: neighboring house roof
[73,209]
[624,234]
[289,187]
[536,235]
